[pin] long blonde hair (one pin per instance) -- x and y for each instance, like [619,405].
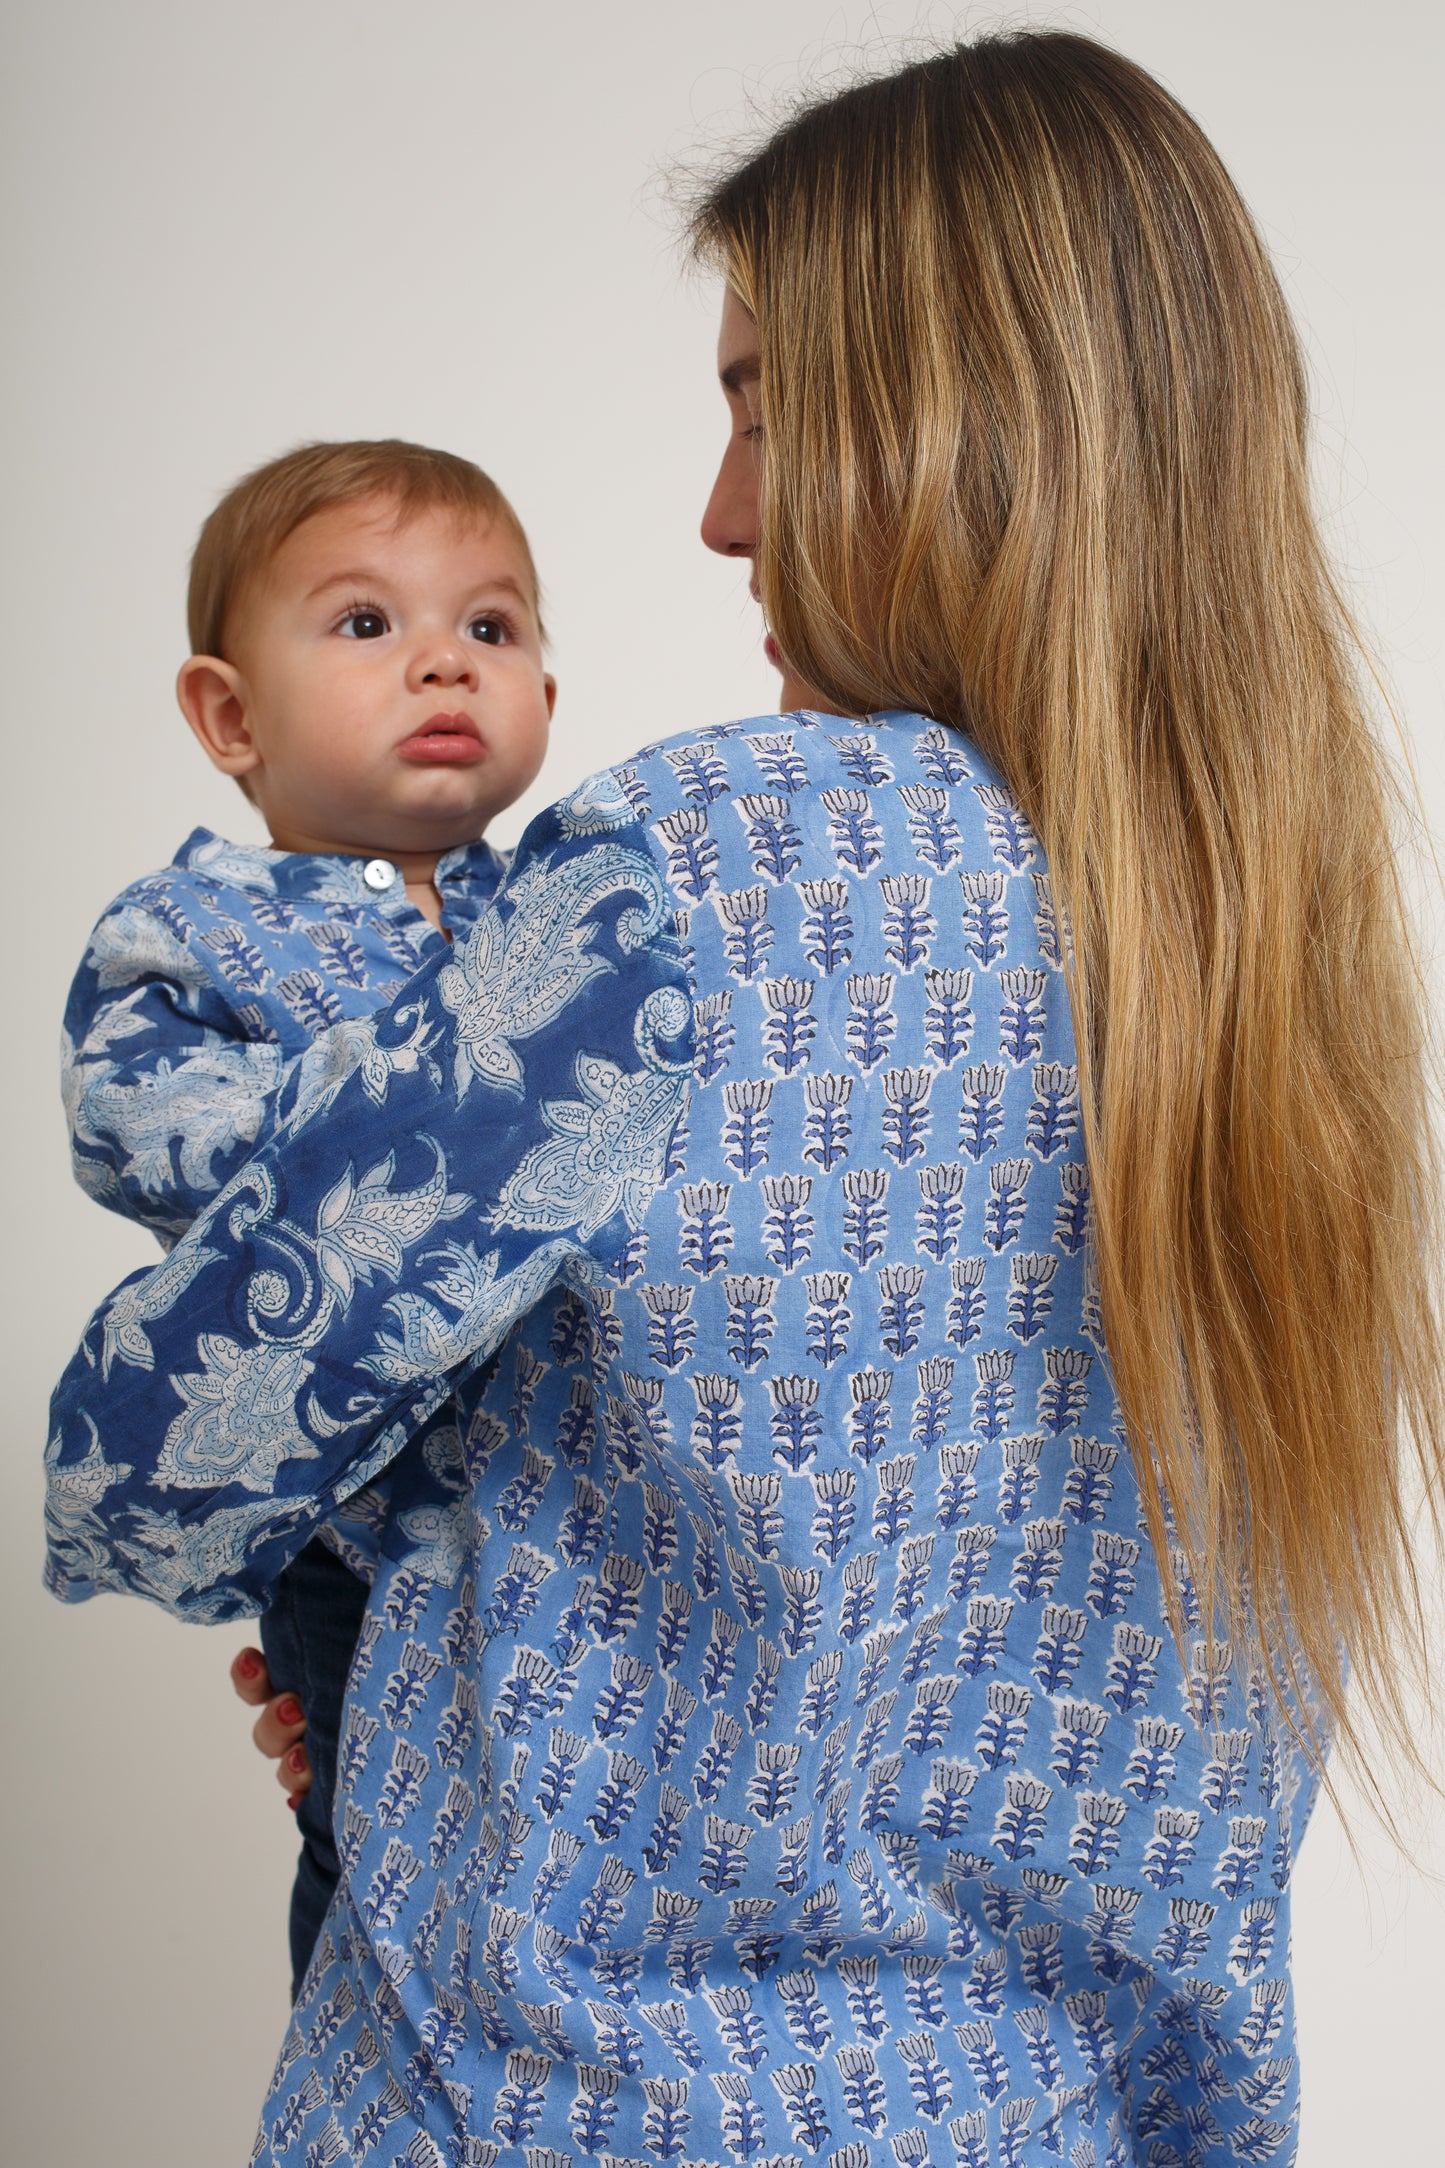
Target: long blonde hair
[1035,421]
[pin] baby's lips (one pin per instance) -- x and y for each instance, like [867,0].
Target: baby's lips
[445,739]
[458,725]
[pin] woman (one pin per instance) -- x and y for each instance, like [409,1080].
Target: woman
[817,1694]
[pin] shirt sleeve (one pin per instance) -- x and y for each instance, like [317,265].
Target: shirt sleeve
[505,1124]
[165,1097]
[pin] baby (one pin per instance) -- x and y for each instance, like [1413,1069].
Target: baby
[368,665]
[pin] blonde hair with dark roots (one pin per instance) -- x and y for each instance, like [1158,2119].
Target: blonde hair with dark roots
[1034,427]
[254,518]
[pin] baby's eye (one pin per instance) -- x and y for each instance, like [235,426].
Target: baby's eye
[493,631]
[363,624]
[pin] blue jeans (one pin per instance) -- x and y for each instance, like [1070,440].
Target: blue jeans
[309,1636]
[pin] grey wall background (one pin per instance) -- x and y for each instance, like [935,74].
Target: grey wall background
[232,228]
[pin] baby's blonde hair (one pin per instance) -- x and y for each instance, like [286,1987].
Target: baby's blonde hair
[254,518]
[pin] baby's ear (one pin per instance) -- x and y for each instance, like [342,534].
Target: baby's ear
[213,699]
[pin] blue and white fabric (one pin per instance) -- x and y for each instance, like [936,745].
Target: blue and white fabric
[210,989]
[766,1742]
[204,981]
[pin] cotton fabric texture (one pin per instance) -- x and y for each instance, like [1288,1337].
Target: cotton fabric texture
[212,990]
[766,1741]
[203,981]
[201,986]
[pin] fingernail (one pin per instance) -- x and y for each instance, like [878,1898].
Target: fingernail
[247,1664]
[296,1760]
[293,1801]
[289,1711]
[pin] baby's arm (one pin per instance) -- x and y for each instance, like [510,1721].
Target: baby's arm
[170,1085]
[166,1089]
[164,1093]
[505,1124]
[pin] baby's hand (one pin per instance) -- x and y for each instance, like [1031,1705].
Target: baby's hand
[278,1728]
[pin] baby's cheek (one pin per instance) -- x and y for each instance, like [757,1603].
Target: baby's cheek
[529,740]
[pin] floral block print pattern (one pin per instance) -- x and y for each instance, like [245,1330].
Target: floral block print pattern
[766,1743]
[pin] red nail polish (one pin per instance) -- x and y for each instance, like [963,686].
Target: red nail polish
[289,1711]
[248,1665]
[296,1760]
[293,1801]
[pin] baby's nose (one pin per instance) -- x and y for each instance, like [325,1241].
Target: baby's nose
[448,666]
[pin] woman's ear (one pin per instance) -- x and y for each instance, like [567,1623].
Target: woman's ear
[214,701]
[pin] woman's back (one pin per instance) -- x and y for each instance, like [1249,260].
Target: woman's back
[839,1779]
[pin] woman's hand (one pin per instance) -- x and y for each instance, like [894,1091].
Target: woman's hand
[277,1730]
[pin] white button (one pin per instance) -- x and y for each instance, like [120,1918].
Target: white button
[378,873]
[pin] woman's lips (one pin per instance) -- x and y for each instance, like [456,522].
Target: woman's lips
[446,741]
[770,646]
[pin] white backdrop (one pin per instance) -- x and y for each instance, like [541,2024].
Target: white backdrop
[231,228]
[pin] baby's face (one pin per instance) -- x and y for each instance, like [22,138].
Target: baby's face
[393,679]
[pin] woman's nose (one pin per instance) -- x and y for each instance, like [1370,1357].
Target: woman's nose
[730,517]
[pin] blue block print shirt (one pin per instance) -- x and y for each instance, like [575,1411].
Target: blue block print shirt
[766,1744]
[206,990]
